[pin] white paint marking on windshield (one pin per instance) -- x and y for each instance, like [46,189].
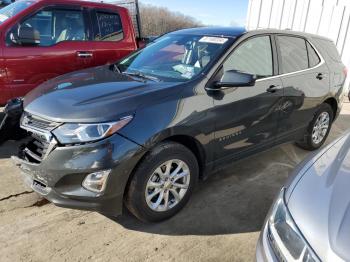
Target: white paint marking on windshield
[213,40]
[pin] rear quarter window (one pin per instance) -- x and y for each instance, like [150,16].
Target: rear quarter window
[328,48]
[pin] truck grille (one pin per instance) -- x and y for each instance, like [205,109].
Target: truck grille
[42,142]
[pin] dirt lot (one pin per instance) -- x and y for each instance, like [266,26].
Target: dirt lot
[221,222]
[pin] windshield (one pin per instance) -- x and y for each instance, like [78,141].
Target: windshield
[175,57]
[13,9]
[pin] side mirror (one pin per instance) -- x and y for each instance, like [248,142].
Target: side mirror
[28,36]
[234,78]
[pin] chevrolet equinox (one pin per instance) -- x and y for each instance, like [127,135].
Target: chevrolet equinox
[143,131]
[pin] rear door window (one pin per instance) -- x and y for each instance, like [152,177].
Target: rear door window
[293,54]
[108,26]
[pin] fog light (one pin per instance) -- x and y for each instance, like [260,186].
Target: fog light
[97,181]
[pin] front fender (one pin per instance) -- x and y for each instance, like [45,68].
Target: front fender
[154,124]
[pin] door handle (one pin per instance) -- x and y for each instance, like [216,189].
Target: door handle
[319,76]
[84,54]
[273,88]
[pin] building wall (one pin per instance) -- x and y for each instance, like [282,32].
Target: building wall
[330,18]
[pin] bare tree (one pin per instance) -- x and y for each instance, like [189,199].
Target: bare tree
[160,20]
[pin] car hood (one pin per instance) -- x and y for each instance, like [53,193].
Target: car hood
[94,95]
[320,202]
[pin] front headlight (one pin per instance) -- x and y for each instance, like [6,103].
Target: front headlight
[81,133]
[285,238]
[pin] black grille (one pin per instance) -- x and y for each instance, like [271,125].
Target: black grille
[30,121]
[40,129]
[35,150]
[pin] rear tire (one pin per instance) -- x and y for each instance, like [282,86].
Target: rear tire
[319,128]
[162,183]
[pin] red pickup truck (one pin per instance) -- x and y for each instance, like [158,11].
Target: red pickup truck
[41,39]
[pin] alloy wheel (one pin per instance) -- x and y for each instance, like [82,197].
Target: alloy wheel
[321,127]
[167,185]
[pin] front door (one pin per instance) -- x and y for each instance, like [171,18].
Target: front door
[63,48]
[5,90]
[247,116]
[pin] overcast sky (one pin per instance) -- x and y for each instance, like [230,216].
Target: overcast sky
[209,12]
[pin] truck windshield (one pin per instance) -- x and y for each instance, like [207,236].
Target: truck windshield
[175,57]
[13,9]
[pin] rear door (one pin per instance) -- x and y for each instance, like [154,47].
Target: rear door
[305,79]
[63,47]
[113,35]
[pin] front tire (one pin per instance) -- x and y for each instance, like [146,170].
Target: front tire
[319,128]
[162,183]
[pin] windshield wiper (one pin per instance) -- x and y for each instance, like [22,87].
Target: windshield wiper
[142,75]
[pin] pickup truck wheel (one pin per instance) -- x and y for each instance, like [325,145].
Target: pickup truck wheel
[318,129]
[162,183]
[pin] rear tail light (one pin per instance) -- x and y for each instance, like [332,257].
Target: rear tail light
[345,71]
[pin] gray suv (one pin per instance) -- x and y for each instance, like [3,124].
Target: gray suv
[310,219]
[143,131]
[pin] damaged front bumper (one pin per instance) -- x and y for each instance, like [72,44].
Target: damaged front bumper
[58,174]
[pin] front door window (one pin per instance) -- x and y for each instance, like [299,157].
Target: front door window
[55,26]
[253,56]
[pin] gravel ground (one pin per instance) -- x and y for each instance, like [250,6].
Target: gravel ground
[221,222]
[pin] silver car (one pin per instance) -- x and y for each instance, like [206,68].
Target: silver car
[310,219]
